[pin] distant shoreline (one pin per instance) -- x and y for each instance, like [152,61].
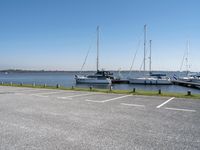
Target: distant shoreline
[62,71]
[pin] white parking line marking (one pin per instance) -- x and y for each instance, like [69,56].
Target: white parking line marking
[16,91]
[178,109]
[93,101]
[48,93]
[64,98]
[132,105]
[19,93]
[29,90]
[5,91]
[39,95]
[68,97]
[165,102]
[112,99]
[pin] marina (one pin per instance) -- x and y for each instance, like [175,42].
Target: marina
[99,75]
[146,79]
[66,79]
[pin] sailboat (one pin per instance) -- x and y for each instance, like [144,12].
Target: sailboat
[151,78]
[189,77]
[100,77]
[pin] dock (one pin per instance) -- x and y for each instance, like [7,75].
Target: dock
[184,83]
[120,81]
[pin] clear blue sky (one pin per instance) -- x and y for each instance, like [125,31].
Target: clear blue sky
[56,34]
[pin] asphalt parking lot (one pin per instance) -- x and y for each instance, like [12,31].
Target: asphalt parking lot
[56,119]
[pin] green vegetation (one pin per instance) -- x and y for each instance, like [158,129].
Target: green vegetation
[136,92]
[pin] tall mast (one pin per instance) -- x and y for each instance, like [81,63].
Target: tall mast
[150,57]
[97,48]
[187,57]
[145,30]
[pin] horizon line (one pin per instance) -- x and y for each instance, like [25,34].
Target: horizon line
[44,70]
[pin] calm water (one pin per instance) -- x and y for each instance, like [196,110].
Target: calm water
[67,79]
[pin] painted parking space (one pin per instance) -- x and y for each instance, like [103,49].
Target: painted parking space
[53,94]
[75,95]
[12,88]
[40,91]
[133,105]
[167,103]
[63,94]
[141,101]
[47,93]
[147,102]
[103,98]
[180,109]
[183,105]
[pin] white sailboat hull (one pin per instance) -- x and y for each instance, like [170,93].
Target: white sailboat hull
[150,81]
[185,79]
[86,80]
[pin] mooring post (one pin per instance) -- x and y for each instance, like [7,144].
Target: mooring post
[189,93]
[133,90]
[57,86]
[90,88]
[110,88]
[159,91]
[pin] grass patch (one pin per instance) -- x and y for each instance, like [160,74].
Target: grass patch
[136,92]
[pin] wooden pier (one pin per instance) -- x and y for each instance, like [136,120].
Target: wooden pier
[120,81]
[188,84]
